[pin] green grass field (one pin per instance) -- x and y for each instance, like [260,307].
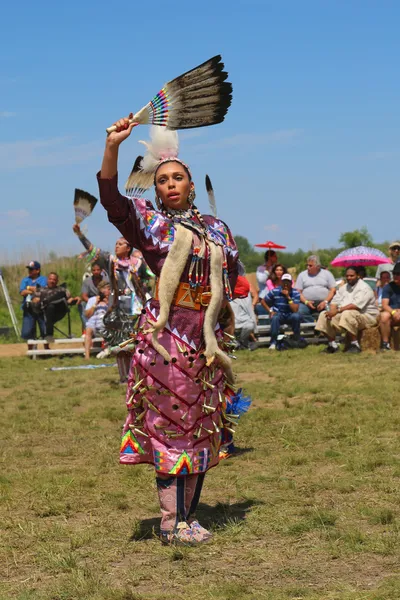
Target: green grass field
[309,509]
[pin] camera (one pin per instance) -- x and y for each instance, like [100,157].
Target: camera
[101,296]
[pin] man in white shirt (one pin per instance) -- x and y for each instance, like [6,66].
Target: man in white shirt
[353,309]
[317,287]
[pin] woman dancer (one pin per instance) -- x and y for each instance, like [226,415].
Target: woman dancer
[126,271]
[180,377]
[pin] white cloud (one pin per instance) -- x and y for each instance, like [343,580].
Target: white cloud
[378,155]
[46,153]
[243,140]
[5,114]
[273,227]
[19,214]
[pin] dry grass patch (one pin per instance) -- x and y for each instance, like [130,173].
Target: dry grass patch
[307,509]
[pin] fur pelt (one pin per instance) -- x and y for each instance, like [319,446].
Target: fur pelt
[169,281]
[212,349]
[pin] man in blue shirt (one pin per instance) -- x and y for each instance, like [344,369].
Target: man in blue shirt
[28,286]
[282,304]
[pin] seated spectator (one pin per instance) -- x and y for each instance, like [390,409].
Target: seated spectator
[390,315]
[263,271]
[282,304]
[28,287]
[384,280]
[317,287]
[394,254]
[89,288]
[96,309]
[245,318]
[89,285]
[353,309]
[52,301]
[275,277]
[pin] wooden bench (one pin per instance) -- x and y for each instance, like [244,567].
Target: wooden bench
[307,331]
[70,346]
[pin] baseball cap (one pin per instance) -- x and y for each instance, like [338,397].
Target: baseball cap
[34,264]
[394,244]
[287,277]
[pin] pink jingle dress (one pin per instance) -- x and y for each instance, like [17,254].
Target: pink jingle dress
[176,410]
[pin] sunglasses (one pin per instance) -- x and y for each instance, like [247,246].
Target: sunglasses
[395,248]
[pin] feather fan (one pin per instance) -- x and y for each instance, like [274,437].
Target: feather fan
[211,197]
[197,98]
[138,182]
[84,204]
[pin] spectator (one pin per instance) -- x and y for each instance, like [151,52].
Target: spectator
[96,309]
[394,253]
[52,301]
[89,285]
[390,316]
[317,287]
[275,277]
[89,288]
[384,280]
[282,304]
[353,310]
[263,271]
[245,318]
[27,288]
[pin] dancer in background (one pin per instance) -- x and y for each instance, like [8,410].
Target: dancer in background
[126,271]
[180,376]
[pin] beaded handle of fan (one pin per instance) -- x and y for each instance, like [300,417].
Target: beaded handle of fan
[198,98]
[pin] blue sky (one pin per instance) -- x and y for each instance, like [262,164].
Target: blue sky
[310,146]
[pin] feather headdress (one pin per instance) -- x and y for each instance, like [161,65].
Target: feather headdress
[162,147]
[84,204]
[198,98]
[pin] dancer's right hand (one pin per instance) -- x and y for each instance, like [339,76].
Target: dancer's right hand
[124,129]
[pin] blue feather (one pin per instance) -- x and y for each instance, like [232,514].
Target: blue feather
[238,404]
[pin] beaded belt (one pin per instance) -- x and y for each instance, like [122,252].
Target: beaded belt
[188,297]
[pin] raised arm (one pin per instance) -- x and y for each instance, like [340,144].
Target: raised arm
[136,219]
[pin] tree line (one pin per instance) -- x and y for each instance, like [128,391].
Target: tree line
[252,258]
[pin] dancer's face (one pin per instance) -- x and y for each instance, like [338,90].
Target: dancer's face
[122,248]
[173,186]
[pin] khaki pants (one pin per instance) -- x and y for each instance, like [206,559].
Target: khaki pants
[350,321]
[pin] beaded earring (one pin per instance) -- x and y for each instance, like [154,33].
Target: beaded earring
[192,197]
[159,204]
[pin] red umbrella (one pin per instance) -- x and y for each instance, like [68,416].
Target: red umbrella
[270,245]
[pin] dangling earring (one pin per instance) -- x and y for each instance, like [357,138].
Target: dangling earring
[158,202]
[191,197]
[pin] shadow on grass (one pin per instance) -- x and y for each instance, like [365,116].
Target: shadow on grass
[238,451]
[211,517]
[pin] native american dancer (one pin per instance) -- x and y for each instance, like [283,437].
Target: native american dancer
[180,379]
[129,277]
